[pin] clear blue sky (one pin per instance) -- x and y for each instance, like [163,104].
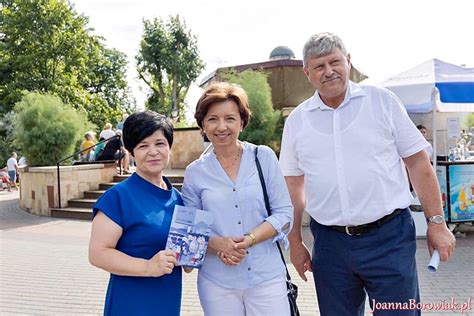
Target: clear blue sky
[383,37]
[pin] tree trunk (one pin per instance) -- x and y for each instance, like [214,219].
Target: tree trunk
[175,109]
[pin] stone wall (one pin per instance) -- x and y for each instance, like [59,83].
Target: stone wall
[289,86]
[39,193]
[188,145]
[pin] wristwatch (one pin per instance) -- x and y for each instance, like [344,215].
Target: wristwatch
[437,219]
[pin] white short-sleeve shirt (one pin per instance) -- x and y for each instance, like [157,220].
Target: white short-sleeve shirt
[106,134]
[351,157]
[11,164]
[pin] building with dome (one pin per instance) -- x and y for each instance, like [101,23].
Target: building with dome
[282,52]
[286,78]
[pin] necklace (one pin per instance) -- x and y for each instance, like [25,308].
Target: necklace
[236,158]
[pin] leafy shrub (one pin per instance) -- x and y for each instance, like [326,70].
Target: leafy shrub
[46,129]
[470,121]
[262,128]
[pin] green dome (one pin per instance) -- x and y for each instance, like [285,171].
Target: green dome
[282,52]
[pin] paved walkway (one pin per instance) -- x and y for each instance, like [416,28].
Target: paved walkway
[44,270]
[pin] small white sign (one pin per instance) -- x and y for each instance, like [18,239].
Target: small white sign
[454,127]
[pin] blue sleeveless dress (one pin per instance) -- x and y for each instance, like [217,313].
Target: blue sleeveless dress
[144,212]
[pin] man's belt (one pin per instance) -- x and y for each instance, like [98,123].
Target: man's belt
[365,228]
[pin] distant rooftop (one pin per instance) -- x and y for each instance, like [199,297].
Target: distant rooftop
[280,56]
[255,66]
[282,52]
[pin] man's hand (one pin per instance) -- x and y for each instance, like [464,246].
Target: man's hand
[439,237]
[300,258]
[423,179]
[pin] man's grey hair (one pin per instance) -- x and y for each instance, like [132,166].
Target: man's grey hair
[322,44]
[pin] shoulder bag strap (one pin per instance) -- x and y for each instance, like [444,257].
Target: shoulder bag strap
[267,205]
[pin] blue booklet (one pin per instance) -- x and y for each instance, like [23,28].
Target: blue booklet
[189,235]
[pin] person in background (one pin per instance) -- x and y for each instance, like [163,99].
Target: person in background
[22,162]
[343,153]
[124,118]
[12,169]
[4,179]
[467,136]
[424,131]
[243,273]
[131,222]
[99,148]
[115,150]
[86,145]
[107,132]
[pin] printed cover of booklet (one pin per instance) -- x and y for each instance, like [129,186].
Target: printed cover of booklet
[189,235]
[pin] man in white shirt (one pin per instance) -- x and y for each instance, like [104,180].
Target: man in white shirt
[12,168]
[107,132]
[343,154]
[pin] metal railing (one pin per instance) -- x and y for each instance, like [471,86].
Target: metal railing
[80,152]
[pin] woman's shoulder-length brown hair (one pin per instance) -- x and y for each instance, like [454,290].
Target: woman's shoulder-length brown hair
[220,92]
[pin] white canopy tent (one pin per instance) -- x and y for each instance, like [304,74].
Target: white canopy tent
[434,86]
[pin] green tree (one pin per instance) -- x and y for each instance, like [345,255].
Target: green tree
[107,77]
[47,47]
[7,124]
[46,129]
[470,120]
[168,62]
[5,151]
[263,127]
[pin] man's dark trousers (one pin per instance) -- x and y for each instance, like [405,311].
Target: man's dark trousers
[380,263]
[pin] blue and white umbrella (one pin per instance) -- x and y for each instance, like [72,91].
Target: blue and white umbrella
[415,87]
[434,86]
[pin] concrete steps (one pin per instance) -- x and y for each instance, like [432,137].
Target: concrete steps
[93,194]
[81,203]
[72,213]
[82,208]
[106,186]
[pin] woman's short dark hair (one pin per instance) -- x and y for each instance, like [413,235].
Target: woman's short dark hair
[220,92]
[141,125]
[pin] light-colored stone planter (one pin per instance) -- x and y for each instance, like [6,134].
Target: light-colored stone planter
[39,185]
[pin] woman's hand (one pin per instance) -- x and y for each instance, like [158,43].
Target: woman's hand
[226,248]
[245,243]
[162,263]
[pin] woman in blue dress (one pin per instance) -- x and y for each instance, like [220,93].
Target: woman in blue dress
[131,224]
[243,273]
